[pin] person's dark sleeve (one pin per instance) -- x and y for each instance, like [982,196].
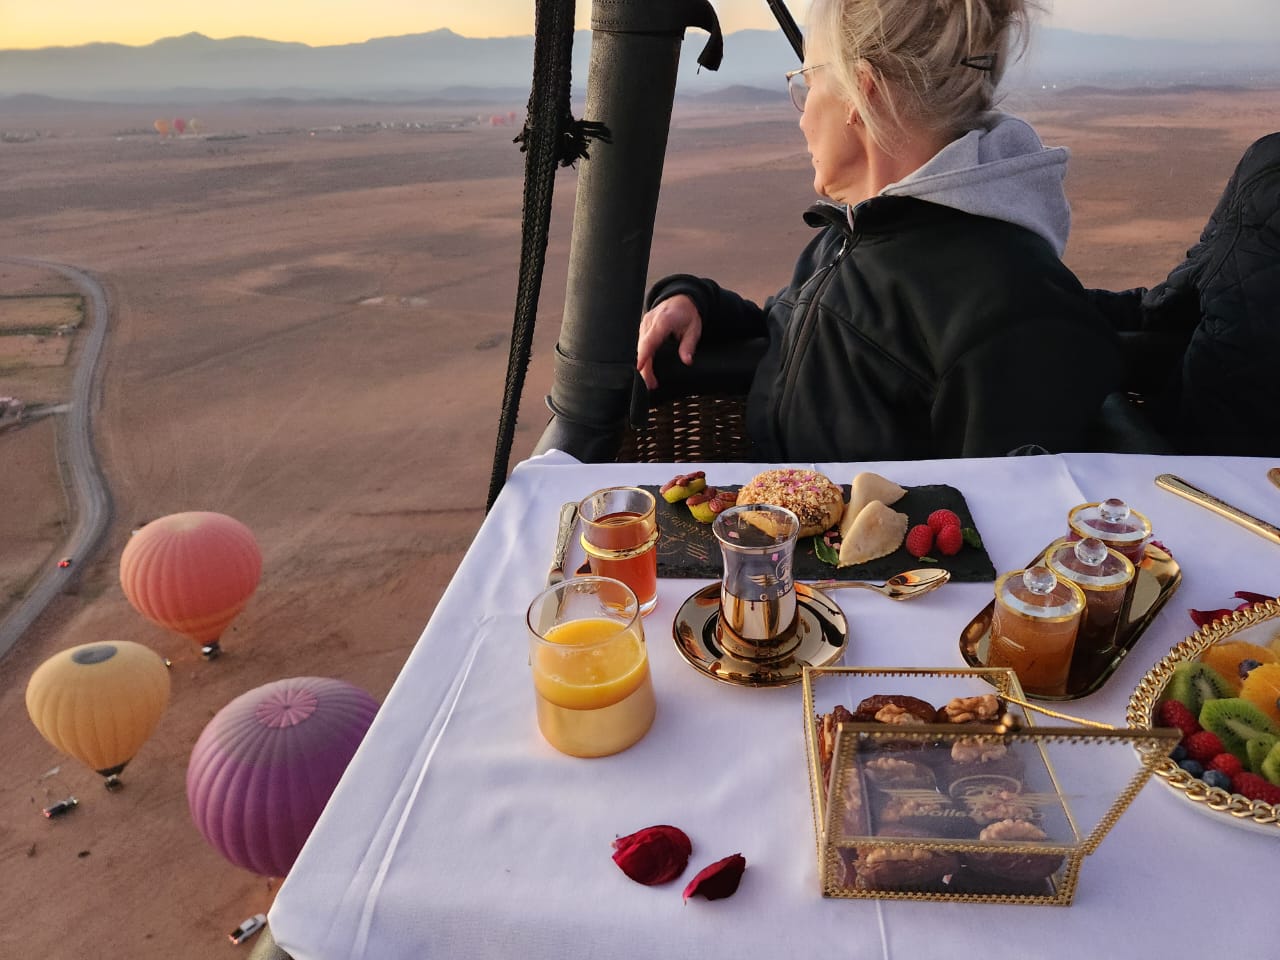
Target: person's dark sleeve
[725,314]
[1154,327]
[1038,382]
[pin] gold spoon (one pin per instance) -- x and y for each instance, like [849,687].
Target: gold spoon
[904,586]
[1274,475]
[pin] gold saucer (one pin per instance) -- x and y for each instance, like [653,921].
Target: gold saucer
[820,628]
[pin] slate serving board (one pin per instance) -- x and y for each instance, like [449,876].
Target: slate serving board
[687,548]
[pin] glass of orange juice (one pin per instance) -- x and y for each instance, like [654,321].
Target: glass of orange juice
[1033,628]
[591,675]
[620,537]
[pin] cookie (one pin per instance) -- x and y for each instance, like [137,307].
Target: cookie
[812,497]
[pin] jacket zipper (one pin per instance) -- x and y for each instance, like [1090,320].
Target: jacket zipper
[801,339]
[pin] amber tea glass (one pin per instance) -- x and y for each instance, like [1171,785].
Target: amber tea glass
[620,537]
[591,678]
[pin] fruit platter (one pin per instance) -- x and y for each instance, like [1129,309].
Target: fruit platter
[1220,687]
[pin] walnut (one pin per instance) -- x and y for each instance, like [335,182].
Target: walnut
[977,751]
[1012,830]
[998,805]
[894,714]
[896,855]
[969,709]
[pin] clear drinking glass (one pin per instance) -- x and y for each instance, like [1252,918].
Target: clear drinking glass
[620,537]
[758,591]
[591,676]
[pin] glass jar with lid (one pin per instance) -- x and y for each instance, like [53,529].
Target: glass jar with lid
[1034,625]
[1105,575]
[1114,523]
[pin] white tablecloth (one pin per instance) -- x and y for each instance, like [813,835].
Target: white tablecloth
[458,832]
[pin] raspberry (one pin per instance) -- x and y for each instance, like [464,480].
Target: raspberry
[919,540]
[1175,713]
[950,540]
[1203,746]
[942,518]
[1228,763]
[1254,787]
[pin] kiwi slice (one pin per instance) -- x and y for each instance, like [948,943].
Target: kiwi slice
[1270,766]
[1236,721]
[1257,749]
[1195,684]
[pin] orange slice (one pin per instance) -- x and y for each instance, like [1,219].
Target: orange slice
[1262,688]
[1225,657]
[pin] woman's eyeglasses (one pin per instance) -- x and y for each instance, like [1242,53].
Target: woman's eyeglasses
[798,85]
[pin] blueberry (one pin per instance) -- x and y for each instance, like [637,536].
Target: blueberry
[1216,778]
[1178,753]
[1247,665]
[1193,767]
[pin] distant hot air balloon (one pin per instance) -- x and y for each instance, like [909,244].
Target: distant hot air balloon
[162,127]
[99,702]
[179,125]
[194,125]
[191,572]
[263,768]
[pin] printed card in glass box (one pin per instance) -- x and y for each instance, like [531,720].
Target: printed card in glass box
[938,785]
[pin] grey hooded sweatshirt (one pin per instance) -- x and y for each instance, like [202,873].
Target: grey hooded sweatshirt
[999,170]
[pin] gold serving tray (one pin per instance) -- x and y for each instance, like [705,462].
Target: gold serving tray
[1158,576]
[1220,804]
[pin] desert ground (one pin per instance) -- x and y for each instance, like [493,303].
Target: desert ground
[312,310]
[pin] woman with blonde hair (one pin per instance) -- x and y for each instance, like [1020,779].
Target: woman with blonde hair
[931,315]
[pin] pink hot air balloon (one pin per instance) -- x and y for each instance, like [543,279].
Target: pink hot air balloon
[179,125]
[191,572]
[265,765]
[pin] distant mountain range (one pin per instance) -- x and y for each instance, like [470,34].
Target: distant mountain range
[442,64]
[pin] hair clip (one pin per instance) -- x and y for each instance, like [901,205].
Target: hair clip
[986,62]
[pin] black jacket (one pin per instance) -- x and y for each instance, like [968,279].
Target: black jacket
[919,332]
[1204,345]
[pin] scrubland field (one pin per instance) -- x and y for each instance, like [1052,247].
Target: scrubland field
[311,316]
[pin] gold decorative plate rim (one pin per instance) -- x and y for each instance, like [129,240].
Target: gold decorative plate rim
[1232,808]
[823,640]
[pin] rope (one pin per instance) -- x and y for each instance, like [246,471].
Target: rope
[550,137]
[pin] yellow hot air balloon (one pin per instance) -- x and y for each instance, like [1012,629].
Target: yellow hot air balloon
[99,702]
[162,127]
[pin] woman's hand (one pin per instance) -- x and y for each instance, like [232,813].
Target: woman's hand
[676,318]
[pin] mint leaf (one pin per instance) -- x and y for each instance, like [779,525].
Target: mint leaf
[825,551]
[970,537]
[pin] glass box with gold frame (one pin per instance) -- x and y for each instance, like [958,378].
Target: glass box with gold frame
[935,784]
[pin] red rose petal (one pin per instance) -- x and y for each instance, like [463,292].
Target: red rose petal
[1201,617]
[653,855]
[719,880]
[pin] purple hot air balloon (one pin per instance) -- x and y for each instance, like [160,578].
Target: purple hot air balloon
[265,765]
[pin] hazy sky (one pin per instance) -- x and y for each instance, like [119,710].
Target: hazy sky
[25,23]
